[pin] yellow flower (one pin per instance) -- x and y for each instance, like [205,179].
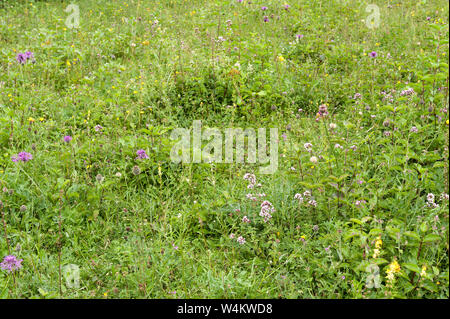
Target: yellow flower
[378,243]
[424,271]
[394,267]
[281,59]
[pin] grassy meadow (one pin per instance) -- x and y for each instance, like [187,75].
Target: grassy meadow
[92,206]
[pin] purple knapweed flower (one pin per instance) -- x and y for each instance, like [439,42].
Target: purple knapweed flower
[22,58]
[266,19]
[22,156]
[299,36]
[67,138]
[11,263]
[373,54]
[141,154]
[286,7]
[264,8]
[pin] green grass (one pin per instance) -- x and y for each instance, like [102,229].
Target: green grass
[141,68]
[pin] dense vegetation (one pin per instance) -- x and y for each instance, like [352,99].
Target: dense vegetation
[358,205]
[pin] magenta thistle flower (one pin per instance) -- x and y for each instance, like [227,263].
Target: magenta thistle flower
[266,19]
[22,58]
[22,156]
[67,138]
[141,154]
[373,54]
[264,8]
[11,263]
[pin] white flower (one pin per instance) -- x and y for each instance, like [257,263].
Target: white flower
[313,159]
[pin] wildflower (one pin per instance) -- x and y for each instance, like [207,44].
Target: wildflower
[22,58]
[393,269]
[323,110]
[423,273]
[357,96]
[11,263]
[266,19]
[313,203]
[266,209]
[98,128]
[315,227]
[308,147]
[414,129]
[376,253]
[299,197]
[338,146]
[286,7]
[67,138]
[299,36]
[430,197]
[307,194]
[141,154]
[378,244]
[373,54]
[444,196]
[313,159]
[245,219]
[23,208]
[407,92]
[22,156]
[333,126]
[241,240]
[264,8]
[353,147]
[232,236]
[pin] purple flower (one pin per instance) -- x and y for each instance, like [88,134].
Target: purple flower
[11,263]
[299,36]
[264,8]
[67,138]
[286,6]
[22,58]
[240,1]
[98,128]
[22,156]
[266,19]
[141,154]
[373,54]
